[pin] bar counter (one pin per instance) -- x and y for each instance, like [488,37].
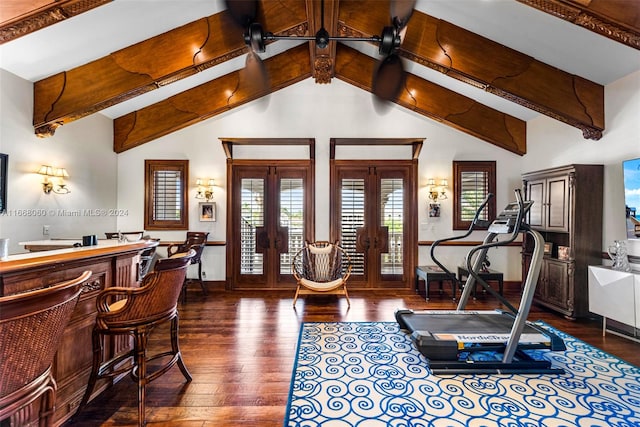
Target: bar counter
[112,263]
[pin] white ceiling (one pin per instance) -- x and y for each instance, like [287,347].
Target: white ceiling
[124,22]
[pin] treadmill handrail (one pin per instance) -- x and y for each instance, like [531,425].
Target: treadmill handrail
[489,243]
[436,243]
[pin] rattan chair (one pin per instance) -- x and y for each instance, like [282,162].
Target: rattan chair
[195,240]
[31,329]
[136,312]
[321,268]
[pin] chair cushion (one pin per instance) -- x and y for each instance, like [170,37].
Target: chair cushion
[321,286]
[179,255]
[320,250]
[118,305]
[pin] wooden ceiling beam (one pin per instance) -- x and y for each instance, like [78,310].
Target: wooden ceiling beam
[22,17]
[152,63]
[323,59]
[618,20]
[483,63]
[440,104]
[208,100]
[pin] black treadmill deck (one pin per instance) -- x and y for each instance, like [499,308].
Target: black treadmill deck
[443,336]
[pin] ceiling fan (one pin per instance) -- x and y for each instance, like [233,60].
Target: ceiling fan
[388,77]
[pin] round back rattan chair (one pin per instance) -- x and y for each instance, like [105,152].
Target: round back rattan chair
[321,268]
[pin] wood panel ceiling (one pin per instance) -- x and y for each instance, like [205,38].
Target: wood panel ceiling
[213,40]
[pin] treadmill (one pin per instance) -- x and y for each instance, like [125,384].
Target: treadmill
[489,342]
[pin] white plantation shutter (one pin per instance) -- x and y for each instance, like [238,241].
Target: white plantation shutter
[167,191]
[474,188]
[352,211]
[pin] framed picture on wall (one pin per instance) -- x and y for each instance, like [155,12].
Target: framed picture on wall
[564,252]
[434,210]
[207,211]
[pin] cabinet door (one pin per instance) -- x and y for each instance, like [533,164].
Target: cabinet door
[535,193]
[558,204]
[557,285]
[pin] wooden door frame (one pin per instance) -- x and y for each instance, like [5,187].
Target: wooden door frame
[411,261]
[228,144]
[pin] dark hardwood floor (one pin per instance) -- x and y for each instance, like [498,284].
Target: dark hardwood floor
[239,348]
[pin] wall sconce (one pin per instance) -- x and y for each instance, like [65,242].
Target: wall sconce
[437,191]
[205,191]
[60,173]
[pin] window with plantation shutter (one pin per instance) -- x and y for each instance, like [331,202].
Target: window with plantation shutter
[473,180]
[166,195]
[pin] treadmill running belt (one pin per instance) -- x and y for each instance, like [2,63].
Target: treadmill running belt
[442,334]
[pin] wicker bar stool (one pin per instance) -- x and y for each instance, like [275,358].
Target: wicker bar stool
[136,312]
[195,240]
[31,328]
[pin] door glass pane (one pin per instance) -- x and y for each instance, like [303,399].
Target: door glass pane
[252,216]
[291,218]
[392,217]
[352,212]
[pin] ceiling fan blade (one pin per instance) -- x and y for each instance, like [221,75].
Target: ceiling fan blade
[401,11]
[257,73]
[388,78]
[244,12]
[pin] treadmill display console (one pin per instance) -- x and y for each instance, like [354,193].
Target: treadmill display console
[505,222]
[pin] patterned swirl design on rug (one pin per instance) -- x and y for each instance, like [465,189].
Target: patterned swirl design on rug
[371,375]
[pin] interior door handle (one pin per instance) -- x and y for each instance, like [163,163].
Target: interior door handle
[262,240]
[382,239]
[363,242]
[282,240]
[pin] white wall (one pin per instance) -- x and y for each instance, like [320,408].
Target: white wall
[551,143]
[305,110]
[309,110]
[84,148]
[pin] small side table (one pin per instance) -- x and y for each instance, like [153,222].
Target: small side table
[432,273]
[488,276]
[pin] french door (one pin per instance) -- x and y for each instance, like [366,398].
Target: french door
[373,217]
[272,207]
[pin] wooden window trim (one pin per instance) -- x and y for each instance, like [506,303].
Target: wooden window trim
[472,166]
[151,166]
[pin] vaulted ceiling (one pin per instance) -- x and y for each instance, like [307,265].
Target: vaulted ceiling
[209,51]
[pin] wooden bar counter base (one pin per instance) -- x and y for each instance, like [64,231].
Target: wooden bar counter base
[112,264]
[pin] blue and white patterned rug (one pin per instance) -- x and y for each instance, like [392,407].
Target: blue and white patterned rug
[371,375]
